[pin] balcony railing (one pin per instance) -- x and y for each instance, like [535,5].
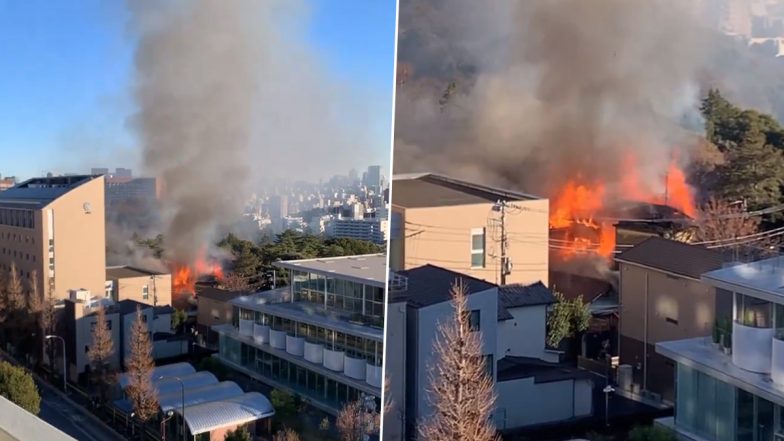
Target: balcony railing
[336,360]
[752,347]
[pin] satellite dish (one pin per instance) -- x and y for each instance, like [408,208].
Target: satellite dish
[87,208]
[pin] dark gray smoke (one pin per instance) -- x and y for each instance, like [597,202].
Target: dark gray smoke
[229,91]
[531,93]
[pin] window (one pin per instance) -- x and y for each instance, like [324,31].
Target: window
[145,292]
[478,248]
[108,325]
[474,320]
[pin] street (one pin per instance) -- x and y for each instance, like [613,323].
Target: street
[71,419]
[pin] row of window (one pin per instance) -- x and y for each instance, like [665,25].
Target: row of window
[15,237]
[356,347]
[338,294]
[16,254]
[15,217]
[300,380]
[23,274]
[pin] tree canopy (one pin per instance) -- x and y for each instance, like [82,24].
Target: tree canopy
[18,386]
[752,145]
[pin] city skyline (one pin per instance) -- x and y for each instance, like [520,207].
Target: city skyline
[80,117]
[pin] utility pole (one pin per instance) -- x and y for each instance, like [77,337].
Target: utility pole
[506,265]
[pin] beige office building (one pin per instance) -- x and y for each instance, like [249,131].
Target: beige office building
[457,225]
[54,227]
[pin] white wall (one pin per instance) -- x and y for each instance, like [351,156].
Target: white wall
[524,335]
[429,318]
[84,338]
[523,402]
[127,323]
[395,371]
[583,398]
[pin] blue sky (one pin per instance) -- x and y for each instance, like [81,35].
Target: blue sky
[65,68]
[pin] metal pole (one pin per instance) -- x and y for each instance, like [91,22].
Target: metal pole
[503,243]
[182,385]
[65,366]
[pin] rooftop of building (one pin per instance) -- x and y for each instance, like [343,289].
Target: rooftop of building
[519,295]
[575,285]
[673,257]
[429,285]
[276,303]
[217,294]
[370,269]
[127,271]
[515,368]
[763,276]
[209,404]
[433,190]
[39,192]
[17,424]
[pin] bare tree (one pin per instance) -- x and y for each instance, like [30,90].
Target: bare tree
[140,365]
[15,305]
[47,321]
[99,353]
[461,388]
[286,435]
[235,282]
[726,225]
[351,421]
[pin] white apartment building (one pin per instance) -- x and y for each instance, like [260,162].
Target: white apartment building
[321,337]
[730,386]
[532,388]
[372,229]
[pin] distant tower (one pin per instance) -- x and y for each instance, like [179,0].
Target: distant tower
[373,180]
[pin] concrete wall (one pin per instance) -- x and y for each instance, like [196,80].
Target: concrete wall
[395,371]
[212,312]
[524,335]
[523,402]
[676,308]
[79,239]
[82,327]
[132,288]
[445,240]
[427,329]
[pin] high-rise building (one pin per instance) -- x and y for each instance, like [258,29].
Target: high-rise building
[54,229]
[99,171]
[322,337]
[278,209]
[373,179]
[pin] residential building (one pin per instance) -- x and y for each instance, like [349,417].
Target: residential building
[371,230]
[662,298]
[79,318]
[531,386]
[457,225]
[213,308]
[731,386]
[141,285]
[54,228]
[210,409]
[321,337]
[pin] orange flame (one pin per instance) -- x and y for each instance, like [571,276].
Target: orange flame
[185,276]
[577,205]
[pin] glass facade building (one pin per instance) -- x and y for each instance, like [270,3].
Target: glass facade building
[321,337]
